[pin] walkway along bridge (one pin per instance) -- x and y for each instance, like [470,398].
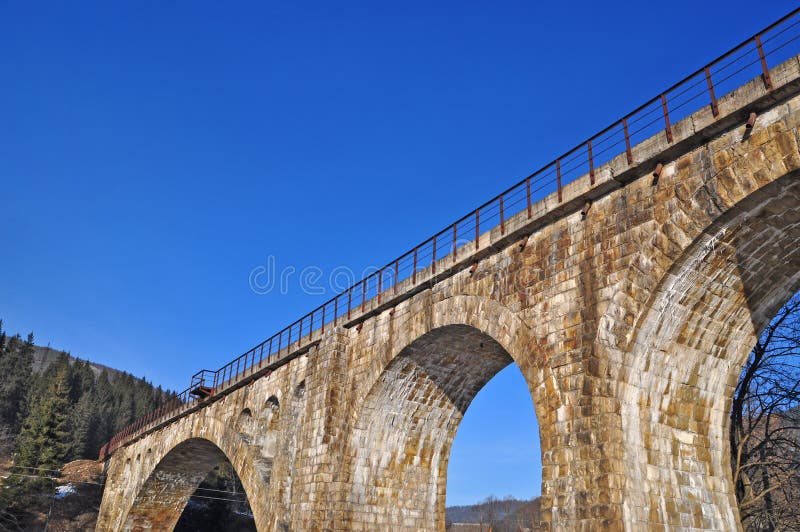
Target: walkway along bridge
[628,279]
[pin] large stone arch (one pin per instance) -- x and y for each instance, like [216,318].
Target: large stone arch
[154,493]
[399,445]
[167,489]
[687,349]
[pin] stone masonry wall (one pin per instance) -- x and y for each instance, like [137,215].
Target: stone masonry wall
[630,327]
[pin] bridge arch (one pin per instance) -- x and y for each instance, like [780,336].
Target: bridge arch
[403,430]
[689,347]
[164,494]
[158,490]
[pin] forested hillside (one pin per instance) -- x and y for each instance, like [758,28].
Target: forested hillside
[55,409]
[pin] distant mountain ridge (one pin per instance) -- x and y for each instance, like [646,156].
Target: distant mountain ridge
[43,357]
[500,515]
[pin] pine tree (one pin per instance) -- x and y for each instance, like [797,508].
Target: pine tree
[85,425]
[46,438]
[16,358]
[126,410]
[2,338]
[103,407]
[83,379]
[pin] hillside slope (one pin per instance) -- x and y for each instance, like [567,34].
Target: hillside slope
[56,409]
[43,357]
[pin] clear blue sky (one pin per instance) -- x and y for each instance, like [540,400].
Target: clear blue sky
[152,154]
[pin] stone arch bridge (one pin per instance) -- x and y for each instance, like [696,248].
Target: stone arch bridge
[629,297]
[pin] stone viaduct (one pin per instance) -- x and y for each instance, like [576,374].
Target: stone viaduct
[630,323]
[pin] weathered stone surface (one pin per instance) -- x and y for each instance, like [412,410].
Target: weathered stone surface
[630,327]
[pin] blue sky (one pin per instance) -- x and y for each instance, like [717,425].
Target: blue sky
[153,155]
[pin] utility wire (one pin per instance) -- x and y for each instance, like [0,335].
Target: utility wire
[53,478]
[228,492]
[36,468]
[217,498]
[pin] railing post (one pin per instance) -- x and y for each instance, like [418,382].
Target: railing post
[380,284]
[766,77]
[528,194]
[396,274]
[433,257]
[349,301]
[335,310]
[502,217]
[558,177]
[714,108]
[591,162]
[455,242]
[414,275]
[477,228]
[628,151]
[363,293]
[666,117]
[323,319]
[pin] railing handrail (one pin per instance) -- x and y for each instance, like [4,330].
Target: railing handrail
[224,377]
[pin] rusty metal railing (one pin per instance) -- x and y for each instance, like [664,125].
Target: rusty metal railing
[733,69]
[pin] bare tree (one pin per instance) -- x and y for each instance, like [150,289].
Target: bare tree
[765,427]
[532,513]
[491,504]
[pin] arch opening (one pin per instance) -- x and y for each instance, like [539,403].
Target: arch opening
[266,435]
[494,470]
[688,352]
[272,413]
[218,503]
[765,426]
[404,432]
[182,481]
[245,425]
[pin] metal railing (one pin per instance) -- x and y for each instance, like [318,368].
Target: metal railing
[659,115]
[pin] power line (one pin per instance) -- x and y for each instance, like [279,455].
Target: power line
[53,478]
[222,491]
[36,468]
[217,498]
[30,476]
[238,493]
